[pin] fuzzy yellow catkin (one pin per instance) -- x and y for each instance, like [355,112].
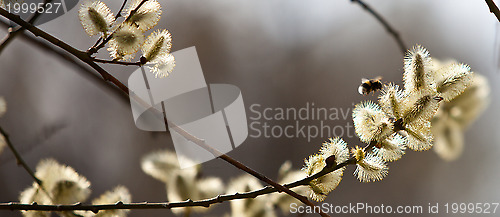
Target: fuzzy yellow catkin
[369,167]
[392,148]
[126,40]
[157,46]
[95,17]
[146,17]
[417,78]
[370,122]
[390,99]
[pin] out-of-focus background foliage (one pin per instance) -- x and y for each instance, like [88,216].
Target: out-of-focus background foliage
[280,54]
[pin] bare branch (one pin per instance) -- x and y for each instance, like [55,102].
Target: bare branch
[493,8]
[119,14]
[117,62]
[13,33]
[167,205]
[20,160]
[386,25]
[95,48]
[83,56]
[78,54]
[82,68]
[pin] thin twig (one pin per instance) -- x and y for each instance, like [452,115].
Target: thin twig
[78,54]
[82,68]
[167,205]
[117,62]
[94,48]
[493,8]
[216,153]
[108,77]
[116,17]
[386,25]
[20,160]
[13,33]
[119,14]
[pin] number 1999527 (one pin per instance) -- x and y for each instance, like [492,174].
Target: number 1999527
[476,208]
[24,7]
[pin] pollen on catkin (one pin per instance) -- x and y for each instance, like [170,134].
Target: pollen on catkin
[164,66]
[417,66]
[157,46]
[63,184]
[336,147]
[392,148]
[457,78]
[125,40]
[390,100]
[369,167]
[370,122]
[320,187]
[146,17]
[420,109]
[419,136]
[95,17]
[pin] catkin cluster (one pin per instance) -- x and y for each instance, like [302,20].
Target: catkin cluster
[127,37]
[400,119]
[61,184]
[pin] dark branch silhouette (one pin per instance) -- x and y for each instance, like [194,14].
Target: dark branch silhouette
[493,9]
[85,57]
[14,32]
[387,26]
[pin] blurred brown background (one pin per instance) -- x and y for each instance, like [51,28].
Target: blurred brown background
[280,54]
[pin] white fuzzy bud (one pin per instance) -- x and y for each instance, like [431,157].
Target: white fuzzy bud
[95,17]
[392,148]
[146,17]
[458,78]
[417,66]
[126,40]
[369,167]
[390,100]
[370,122]
[157,46]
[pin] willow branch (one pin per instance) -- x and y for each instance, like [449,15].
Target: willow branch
[83,56]
[20,160]
[216,153]
[78,54]
[493,8]
[13,33]
[22,163]
[119,14]
[85,71]
[167,205]
[117,62]
[94,48]
[387,26]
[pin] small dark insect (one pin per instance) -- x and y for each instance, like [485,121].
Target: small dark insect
[370,85]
